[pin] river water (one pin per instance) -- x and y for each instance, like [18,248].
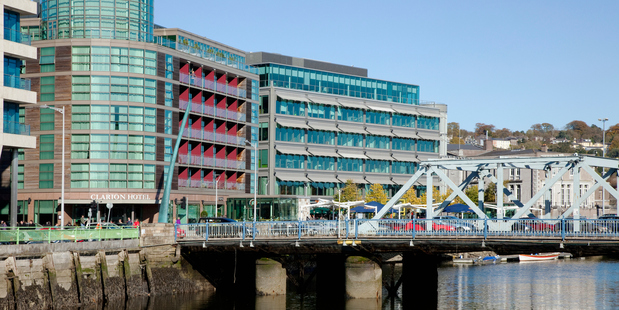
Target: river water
[591,283]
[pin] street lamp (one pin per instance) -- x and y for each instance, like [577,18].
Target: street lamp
[61,111]
[216,187]
[255,145]
[603,120]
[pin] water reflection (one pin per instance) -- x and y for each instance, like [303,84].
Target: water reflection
[576,283]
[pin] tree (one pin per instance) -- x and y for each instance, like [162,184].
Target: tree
[563,147]
[350,192]
[481,128]
[502,133]
[376,193]
[410,196]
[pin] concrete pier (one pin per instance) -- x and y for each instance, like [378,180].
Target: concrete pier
[364,278]
[270,277]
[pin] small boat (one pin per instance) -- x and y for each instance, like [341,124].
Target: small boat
[535,257]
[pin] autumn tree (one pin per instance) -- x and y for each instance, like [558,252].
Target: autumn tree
[481,129]
[350,192]
[453,130]
[502,133]
[376,193]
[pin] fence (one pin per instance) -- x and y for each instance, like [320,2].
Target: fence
[29,235]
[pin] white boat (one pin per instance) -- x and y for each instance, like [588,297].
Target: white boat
[534,257]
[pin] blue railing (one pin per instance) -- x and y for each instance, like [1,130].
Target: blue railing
[16,82]
[393,228]
[16,36]
[16,128]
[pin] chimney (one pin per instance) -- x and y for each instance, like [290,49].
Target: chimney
[544,148]
[488,145]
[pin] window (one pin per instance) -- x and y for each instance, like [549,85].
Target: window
[351,115]
[47,88]
[263,158]
[47,60]
[290,108]
[428,122]
[167,143]
[403,144]
[349,164]
[46,147]
[47,119]
[427,146]
[167,128]
[289,134]
[112,59]
[169,94]
[404,120]
[321,111]
[46,175]
[377,118]
[377,142]
[169,67]
[289,161]
[263,133]
[514,174]
[377,166]
[401,167]
[321,137]
[264,104]
[20,176]
[350,139]
[320,163]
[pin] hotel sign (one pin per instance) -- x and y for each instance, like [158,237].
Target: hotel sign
[120,196]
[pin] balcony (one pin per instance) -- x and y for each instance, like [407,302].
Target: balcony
[16,36]
[16,128]
[16,82]
[211,185]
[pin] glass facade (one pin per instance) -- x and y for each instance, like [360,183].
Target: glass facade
[97,19]
[113,59]
[112,175]
[336,84]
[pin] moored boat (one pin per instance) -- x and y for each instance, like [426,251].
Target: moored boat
[534,257]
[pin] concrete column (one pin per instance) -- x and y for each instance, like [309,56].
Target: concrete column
[420,281]
[270,277]
[62,284]
[364,278]
[13,205]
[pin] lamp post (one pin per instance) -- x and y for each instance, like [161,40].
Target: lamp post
[603,120]
[255,145]
[216,187]
[61,111]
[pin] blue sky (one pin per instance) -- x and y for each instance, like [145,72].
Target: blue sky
[507,63]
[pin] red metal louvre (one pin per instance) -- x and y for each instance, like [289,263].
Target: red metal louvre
[183,149]
[210,76]
[232,155]
[196,150]
[210,126]
[197,98]
[210,101]
[232,178]
[185,69]
[221,129]
[184,96]
[221,154]
[233,106]
[209,176]
[222,79]
[209,151]
[234,82]
[197,125]
[221,104]
[183,174]
[232,131]
[196,175]
[198,72]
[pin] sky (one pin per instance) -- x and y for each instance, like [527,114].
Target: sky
[511,64]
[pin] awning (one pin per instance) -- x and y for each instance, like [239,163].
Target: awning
[379,108]
[426,156]
[410,157]
[291,149]
[429,112]
[378,179]
[352,155]
[429,135]
[405,132]
[327,151]
[295,176]
[352,104]
[357,179]
[291,122]
[322,125]
[291,96]
[351,127]
[321,177]
[400,179]
[406,109]
[323,100]
[379,155]
[379,130]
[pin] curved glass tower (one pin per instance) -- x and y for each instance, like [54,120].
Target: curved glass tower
[98,19]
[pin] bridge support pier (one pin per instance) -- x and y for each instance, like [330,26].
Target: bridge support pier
[270,277]
[364,278]
[420,280]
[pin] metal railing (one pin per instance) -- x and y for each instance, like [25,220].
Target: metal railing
[16,82]
[31,235]
[16,36]
[406,228]
[16,128]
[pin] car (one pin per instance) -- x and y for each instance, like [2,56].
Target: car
[609,221]
[530,223]
[459,224]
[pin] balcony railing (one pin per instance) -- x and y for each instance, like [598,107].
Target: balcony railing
[211,184]
[212,85]
[16,128]
[16,36]
[207,161]
[16,82]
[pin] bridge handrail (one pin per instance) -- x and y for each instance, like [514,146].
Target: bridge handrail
[388,228]
[10,235]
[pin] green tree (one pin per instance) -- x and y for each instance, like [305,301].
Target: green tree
[376,193]
[410,196]
[350,192]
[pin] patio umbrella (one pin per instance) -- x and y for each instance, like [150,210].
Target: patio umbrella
[458,208]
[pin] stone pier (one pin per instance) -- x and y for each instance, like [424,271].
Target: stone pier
[270,277]
[364,278]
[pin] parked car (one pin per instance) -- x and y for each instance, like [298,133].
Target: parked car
[459,224]
[531,223]
[609,221]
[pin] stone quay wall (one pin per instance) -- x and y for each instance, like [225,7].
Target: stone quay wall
[73,278]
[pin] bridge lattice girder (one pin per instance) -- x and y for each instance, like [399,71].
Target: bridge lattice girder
[483,168]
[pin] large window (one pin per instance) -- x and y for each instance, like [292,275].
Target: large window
[114,59]
[114,88]
[169,67]
[289,107]
[321,137]
[263,133]
[377,142]
[289,134]
[401,167]
[351,115]
[263,158]
[350,164]
[403,144]
[110,175]
[48,59]
[113,147]
[47,119]
[321,111]
[381,118]
[377,166]
[104,117]
[289,161]
[48,88]
[349,139]
[46,175]
[169,94]
[404,120]
[46,147]
[427,146]
[320,163]
[428,122]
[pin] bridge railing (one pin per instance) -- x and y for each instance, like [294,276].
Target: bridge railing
[26,235]
[386,228]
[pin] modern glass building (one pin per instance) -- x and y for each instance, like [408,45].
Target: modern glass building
[16,91]
[126,86]
[321,124]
